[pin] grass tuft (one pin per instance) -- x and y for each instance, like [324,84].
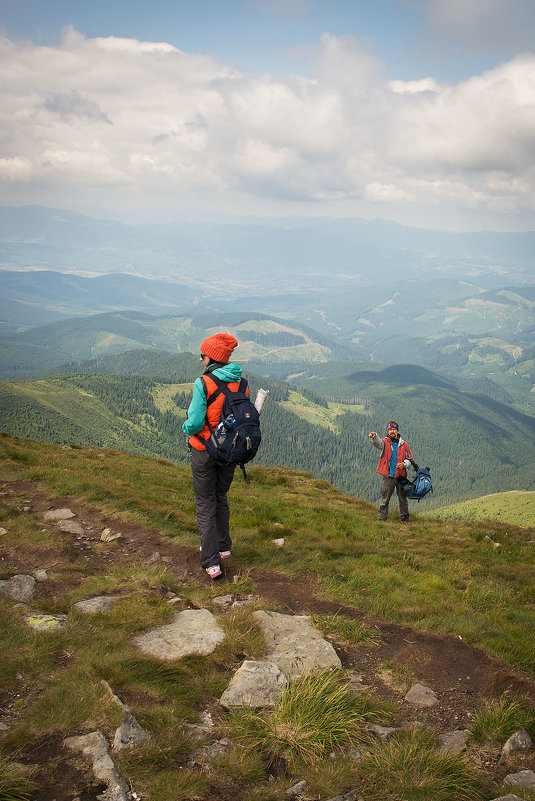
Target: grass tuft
[498,720]
[315,715]
[14,785]
[408,768]
[345,630]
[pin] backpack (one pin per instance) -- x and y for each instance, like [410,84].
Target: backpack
[420,486]
[236,438]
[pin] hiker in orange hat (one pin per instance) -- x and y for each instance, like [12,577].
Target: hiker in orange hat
[211,481]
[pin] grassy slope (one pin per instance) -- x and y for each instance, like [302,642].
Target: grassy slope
[433,575]
[513,507]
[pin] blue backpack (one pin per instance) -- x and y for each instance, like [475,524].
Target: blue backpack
[420,485]
[236,438]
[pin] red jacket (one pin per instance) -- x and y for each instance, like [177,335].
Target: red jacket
[213,411]
[404,452]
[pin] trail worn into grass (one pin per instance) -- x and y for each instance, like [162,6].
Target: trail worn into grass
[462,676]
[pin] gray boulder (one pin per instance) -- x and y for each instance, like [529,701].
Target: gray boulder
[454,742]
[519,741]
[193,631]
[19,588]
[94,747]
[525,778]
[421,696]
[58,514]
[294,644]
[100,603]
[255,684]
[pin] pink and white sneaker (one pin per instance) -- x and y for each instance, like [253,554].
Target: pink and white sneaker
[225,554]
[214,571]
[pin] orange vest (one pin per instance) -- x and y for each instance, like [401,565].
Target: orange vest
[213,411]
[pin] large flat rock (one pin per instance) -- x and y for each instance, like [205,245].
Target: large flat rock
[193,631]
[294,645]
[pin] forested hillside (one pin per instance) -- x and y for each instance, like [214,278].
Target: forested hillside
[474,445]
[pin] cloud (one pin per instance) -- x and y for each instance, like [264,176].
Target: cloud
[146,119]
[484,23]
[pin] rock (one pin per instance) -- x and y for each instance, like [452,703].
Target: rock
[100,603]
[108,536]
[154,558]
[453,742]
[196,731]
[40,575]
[384,733]
[94,747]
[297,789]
[129,734]
[519,741]
[508,798]
[294,644]
[193,631]
[72,527]
[350,796]
[254,684]
[279,542]
[58,514]
[210,752]
[19,588]
[3,531]
[421,696]
[525,778]
[223,600]
[46,622]
[4,726]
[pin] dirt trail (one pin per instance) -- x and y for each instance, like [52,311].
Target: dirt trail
[462,676]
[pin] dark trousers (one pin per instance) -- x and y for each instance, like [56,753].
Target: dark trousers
[211,482]
[387,488]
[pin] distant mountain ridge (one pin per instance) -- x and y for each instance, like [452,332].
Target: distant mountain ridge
[137,401]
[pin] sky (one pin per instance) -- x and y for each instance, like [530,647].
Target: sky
[419,111]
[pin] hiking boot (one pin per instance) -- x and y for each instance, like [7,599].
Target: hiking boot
[225,554]
[214,571]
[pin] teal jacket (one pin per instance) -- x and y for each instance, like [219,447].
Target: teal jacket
[197,408]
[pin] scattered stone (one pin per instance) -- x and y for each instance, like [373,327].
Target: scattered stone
[525,778]
[193,631]
[294,644]
[3,531]
[297,789]
[72,527]
[384,733]
[279,542]
[46,622]
[509,797]
[350,796]
[19,588]
[453,742]
[154,558]
[40,575]
[196,731]
[58,514]
[100,603]
[421,696]
[210,752]
[223,600]
[4,726]
[129,734]
[94,747]
[176,599]
[26,509]
[255,684]
[108,535]
[519,741]
[278,525]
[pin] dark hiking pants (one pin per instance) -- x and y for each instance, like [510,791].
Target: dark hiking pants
[211,482]
[387,488]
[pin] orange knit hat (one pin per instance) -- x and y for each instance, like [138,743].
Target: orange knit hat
[219,347]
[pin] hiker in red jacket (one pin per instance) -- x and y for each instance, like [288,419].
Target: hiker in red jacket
[395,457]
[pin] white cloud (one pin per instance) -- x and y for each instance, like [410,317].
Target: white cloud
[142,118]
